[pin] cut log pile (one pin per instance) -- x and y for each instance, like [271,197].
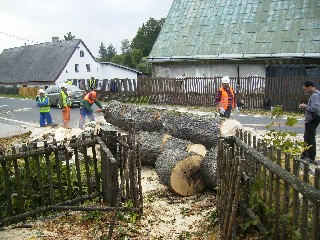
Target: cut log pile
[175,143]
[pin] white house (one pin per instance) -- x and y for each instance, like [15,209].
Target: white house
[54,62]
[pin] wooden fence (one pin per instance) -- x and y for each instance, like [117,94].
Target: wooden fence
[274,189]
[28,91]
[35,180]
[252,92]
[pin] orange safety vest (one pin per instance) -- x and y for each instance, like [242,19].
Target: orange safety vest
[224,98]
[88,99]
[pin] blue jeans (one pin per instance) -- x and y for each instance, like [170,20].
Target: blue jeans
[45,116]
[83,113]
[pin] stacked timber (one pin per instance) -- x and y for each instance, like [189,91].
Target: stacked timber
[175,143]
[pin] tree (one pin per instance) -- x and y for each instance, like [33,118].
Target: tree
[69,36]
[111,52]
[147,35]
[102,52]
[125,46]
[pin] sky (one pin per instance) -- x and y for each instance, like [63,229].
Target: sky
[94,21]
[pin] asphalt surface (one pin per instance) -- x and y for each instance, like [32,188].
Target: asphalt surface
[19,116]
[22,115]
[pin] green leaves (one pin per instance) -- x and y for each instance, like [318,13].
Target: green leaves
[284,140]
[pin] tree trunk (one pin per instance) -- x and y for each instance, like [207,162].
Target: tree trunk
[179,170]
[208,169]
[201,129]
[152,144]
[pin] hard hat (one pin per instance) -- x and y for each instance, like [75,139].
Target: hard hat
[225,79]
[41,91]
[64,85]
[93,95]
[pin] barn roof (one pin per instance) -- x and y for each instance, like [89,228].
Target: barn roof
[238,29]
[40,63]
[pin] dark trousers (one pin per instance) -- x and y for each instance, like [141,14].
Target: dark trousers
[310,138]
[227,112]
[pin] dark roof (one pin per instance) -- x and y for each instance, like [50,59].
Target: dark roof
[40,63]
[237,29]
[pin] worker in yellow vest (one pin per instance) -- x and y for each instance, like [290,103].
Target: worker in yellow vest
[65,105]
[92,83]
[225,99]
[44,105]
[69,82]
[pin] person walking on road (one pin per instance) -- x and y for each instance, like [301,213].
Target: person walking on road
[65,105]
[225,98]
[86,108]
[43,103]
[311,120]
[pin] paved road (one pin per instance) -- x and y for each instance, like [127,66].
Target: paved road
[21,115]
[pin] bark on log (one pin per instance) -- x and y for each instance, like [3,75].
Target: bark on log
[205,129]
[208,169]
[146,119]
[152,144]
[179,170]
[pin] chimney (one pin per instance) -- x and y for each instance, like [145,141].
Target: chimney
[55,39]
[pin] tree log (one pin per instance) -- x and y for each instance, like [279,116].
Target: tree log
[152,144]
[146,119]
[208,169]
[179,170]
[201,129]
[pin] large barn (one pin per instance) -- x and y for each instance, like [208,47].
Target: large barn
[239,38]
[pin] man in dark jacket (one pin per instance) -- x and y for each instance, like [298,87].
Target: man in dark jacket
[312,119]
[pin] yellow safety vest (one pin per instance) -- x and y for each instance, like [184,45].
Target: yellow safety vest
[46,108]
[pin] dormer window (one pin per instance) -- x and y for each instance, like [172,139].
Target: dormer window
[81,53]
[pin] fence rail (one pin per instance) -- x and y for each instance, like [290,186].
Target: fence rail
[35,180]
[275,189]
[252,92]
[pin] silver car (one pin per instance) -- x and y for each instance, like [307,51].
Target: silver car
[75,93]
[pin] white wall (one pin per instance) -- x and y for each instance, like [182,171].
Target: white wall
[69,71]
[111,71]
[97,70]
[213,70]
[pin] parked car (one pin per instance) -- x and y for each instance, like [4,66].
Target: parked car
[75,93]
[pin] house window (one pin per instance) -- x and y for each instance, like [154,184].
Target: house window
[81,53]
[76,67]
[88,67]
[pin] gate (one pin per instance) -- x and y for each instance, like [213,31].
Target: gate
[42,177]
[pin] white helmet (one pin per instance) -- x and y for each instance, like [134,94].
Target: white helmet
[64,85]
[41,91]
[225,79]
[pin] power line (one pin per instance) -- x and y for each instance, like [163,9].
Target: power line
[9,35]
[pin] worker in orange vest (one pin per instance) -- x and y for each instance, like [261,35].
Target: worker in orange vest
[86,107]
[225,99]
